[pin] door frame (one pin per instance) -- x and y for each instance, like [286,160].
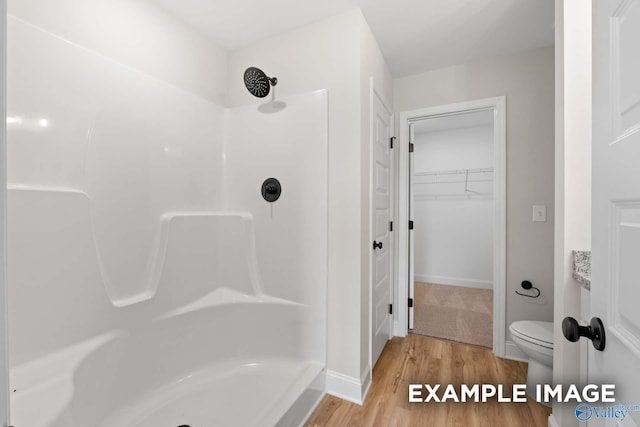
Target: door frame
[374,93]
[4,332]
[498,105]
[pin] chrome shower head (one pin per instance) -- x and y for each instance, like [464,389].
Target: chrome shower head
[257,82]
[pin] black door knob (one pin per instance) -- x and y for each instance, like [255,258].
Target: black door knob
[377,245]
[572,331]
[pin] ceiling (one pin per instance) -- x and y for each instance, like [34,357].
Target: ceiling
[414,35]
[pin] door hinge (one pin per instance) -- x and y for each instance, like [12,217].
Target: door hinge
[390,308]
[410,225]
[411,147]
[410,302]
[391,140]
[390,225]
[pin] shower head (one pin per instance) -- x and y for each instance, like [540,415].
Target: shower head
[257,82]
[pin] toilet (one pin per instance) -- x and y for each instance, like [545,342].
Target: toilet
[535,339]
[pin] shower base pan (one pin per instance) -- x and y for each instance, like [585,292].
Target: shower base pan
[249,394]
[203,367]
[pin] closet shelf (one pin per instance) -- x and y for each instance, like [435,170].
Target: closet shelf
[454,196]
[454,176]
[463,175]
[457,176]
[455,182]
[455,171]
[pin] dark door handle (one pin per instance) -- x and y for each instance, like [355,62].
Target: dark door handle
[377,245]
[572,331]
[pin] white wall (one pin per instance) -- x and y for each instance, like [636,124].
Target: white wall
[337,54]
[449,149]
[527,80]
[453,233]
[135,33]
[573,184]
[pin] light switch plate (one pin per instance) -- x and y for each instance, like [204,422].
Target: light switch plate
[539,213]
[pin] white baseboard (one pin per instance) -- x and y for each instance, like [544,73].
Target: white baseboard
[346,387]
[513,352]
[552,421]
[453,281]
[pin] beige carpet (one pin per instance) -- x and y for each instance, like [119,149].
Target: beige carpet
[454,313]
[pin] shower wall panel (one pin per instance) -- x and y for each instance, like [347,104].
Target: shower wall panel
[97,153]
[290,145]
[286,139]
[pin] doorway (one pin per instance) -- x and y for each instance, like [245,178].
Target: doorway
[451,265]
[452,205]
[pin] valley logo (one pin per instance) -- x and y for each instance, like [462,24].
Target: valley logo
[584,411]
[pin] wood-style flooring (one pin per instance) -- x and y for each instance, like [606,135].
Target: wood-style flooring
[419,360]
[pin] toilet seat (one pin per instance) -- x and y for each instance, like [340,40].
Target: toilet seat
[534,332]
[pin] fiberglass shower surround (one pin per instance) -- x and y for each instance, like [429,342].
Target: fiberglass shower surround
[150,282]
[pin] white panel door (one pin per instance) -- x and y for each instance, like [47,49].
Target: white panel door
[615,295]
[381,217]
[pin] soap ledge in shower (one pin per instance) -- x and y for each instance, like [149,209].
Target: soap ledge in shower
[160,250]
[223,296]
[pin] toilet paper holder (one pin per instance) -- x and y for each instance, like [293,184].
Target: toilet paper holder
[528,285]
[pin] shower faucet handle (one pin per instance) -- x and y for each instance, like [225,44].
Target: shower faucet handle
[271,189]
[377,245]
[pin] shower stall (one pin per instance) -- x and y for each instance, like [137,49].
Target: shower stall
[152,282]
